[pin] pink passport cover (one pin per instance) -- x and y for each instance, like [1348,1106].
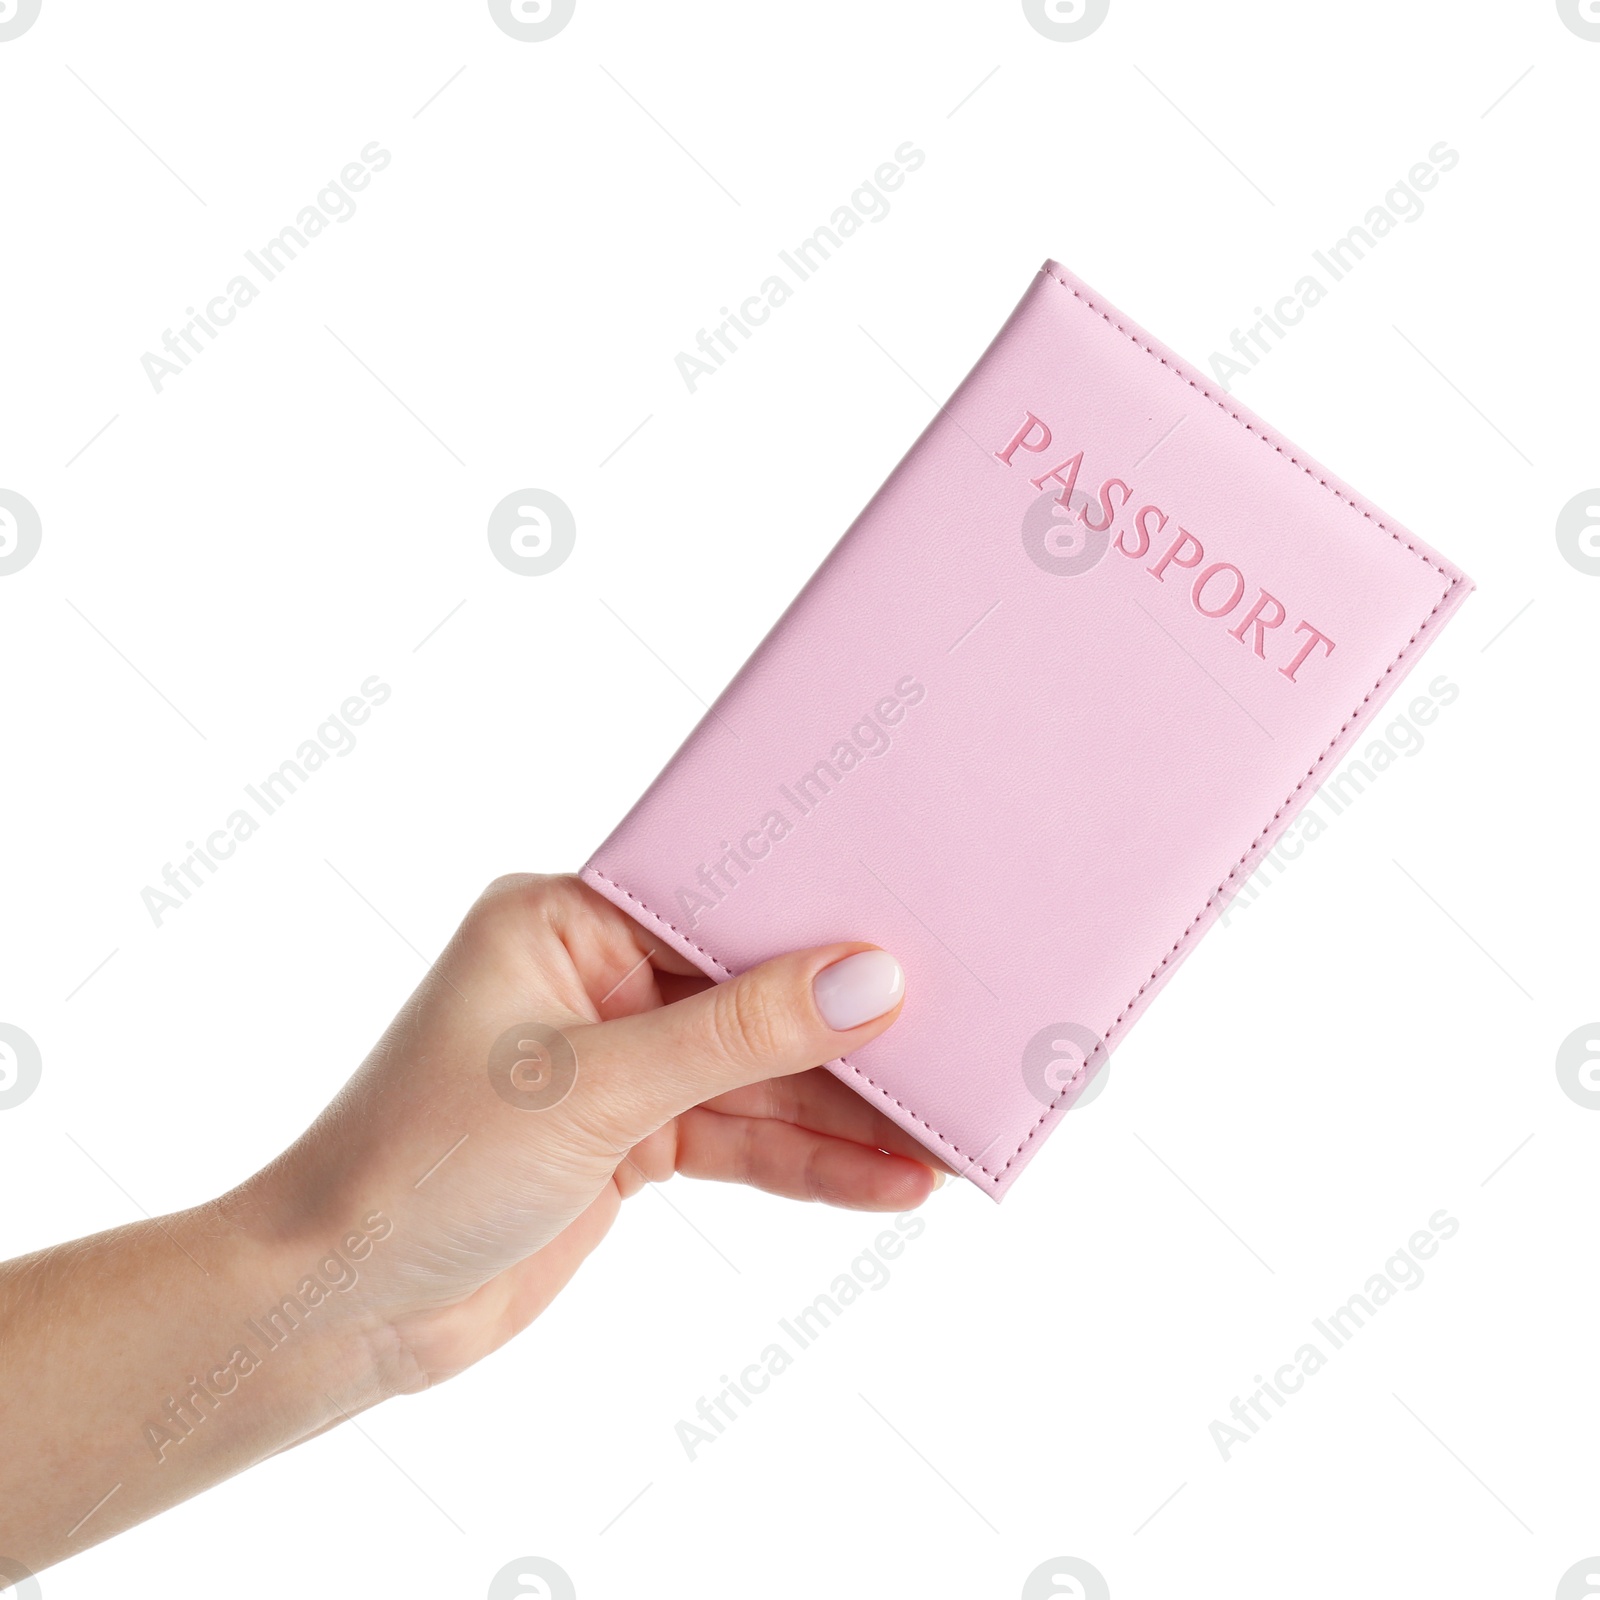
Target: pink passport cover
[1034,719]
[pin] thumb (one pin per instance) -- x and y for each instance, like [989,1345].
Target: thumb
[785,1016]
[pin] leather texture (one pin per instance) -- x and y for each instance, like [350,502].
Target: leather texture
[1021,752]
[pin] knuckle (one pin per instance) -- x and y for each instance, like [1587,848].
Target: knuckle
[813,1187]
[520,898]
[518,903]
[744,1163]
[504,888]
[509,885]
[748,1022]
[503,915]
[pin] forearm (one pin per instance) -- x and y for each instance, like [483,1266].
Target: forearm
[140,1366]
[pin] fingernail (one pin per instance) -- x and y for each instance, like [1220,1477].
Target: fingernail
[857,989]
[938,1179]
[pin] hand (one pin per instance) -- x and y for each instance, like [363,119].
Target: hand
[557,1058]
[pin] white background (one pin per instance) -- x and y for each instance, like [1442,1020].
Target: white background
[1369,1042]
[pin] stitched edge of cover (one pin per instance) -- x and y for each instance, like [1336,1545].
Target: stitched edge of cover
[1181,372]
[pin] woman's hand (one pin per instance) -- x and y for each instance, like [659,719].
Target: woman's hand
[557,1058]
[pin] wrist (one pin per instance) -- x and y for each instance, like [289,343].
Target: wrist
[304,1307]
